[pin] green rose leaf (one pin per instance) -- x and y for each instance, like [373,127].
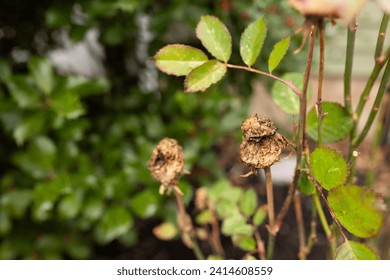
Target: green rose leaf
[352,250]
[114,223]
[236,224]
[305,185]
[42,73]
[284,97]
[357,209]
[259,216]
[215,37]
[328,167]
[277,54]
[336,125]
[178,59]
[204,76]
[248,202]
[252,40]
[16,202]
[246,243]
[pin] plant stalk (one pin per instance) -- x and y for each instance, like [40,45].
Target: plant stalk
[270,75]
[187,227]
[320,115]
[271,212]
[301,140]
[348,66]
[375,107]
[300,225]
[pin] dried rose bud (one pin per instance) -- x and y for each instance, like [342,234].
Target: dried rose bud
[261,145]
[166,164]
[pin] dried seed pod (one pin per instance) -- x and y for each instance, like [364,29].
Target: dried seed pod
[257,127]
[261,145]
[166,164]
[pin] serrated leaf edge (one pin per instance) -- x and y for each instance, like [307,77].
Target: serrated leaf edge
[226,29]
[265,36]
[180,45]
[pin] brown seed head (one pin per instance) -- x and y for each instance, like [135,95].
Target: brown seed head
[166,163]
[261,145]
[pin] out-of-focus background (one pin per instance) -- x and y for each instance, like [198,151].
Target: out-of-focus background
[82,106]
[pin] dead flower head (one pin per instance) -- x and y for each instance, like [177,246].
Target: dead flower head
[166,164]
[261,144]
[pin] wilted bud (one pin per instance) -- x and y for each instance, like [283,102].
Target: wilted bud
[261,145]
[166,164]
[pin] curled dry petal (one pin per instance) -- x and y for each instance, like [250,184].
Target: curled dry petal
[261,145]
[167,163]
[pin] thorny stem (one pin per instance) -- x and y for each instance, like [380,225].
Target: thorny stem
[319,189]
[271,212]
[381,36]
[375,107]
[348,66]
[287,83]
[301,226]
[301,131]
[187,226]
[362,101]
[320,80]
[259,244]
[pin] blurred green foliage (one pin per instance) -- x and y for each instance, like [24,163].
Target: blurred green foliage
[74,149]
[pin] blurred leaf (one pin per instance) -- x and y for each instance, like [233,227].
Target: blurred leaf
[252,40]
[351,250]
[202,77]
[46,194]
[236,224]
[57,17]
[93,208]
[259,216]
[69,206]
[115,222]
[23,92]
[215,257]
[39,158]
[223,190]
[16,202]
[78,248]
[130,238]
[328,167]
[68,105]
[50,245]
[165,231]
[284,97]
[144,204]
[277,54]
[204,218]
[336,125]
[226,208]
[5,223]
[248,202]
[42,73]
[179,60]
[215,37]
[28,126]
[246,243]
[77,32]
[113,35]
[5,71]
[357,209]
[82,86]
